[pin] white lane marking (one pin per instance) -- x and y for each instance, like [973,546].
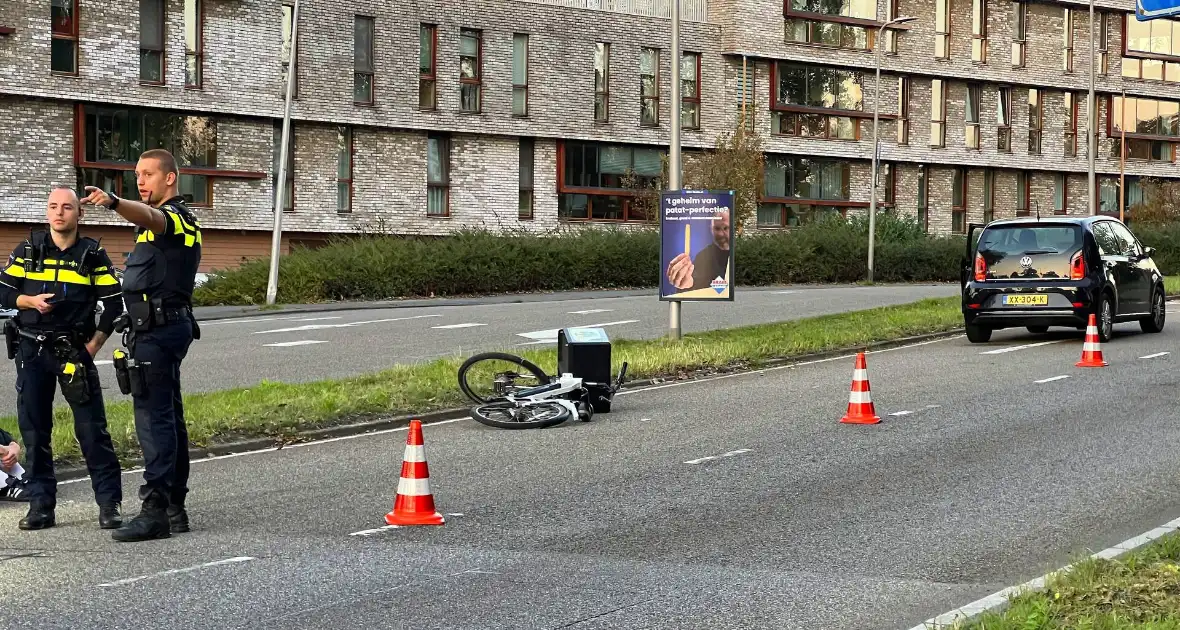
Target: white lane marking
[712,457]
[458,326]
[184,570]
[1000,598]
[344,325]
[316,319]
[785,292]
[1052,378]
[288,344]
[933,406]
[1152,356]
[592,310]
[901,413]
[1024,347]
[370,532]
[550,335]
[104,362]
[246,320]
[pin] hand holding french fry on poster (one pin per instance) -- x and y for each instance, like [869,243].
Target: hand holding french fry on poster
[681,268]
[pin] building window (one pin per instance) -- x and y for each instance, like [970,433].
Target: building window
[601,82]
[1023,193]
[151,42]
[438,175]
[746,91]
[471,70]
[592,180]
[887,179]
[1004,120]
[903,110]
[690,90]
[937,113]
[1019,32]
[289,64]
[989,195]
[979,31]
[1151,50]
[64,26]
[111,139]
[362,60]
[1103,43]
[649,87]
[520,74]
[289,173]
[890,34]
[1067,39]
[799,190]
[194,43]
[959,201]
[1070,102]
[344,153]
[1035,118]
[816,101]
[972,115]
[525,196]
[1060,193]
[427,61]
[823,23]
[942,29]
[923,197]
[1108,194]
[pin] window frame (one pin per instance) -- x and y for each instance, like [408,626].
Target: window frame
[477,80]
[72,36]
[145,53]
[521,86]
[942,29]
[1023,193]
[1019,25]
[290,65]
[1071,123]
[693,103]
[627,196]
[903,110]
[644,99]
[923,197]
[842,205]
[444,142]
[959,206]
[602,92]
[1004,129]
[428,78]
[1061,178]
[973,108]
[341,131]
[1037,131]
[1067,35]
[371,72]
[979,15]
[277,133]
[199,52]
[938,114]
[528,189]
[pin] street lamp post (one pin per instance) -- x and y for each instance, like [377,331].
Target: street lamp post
[876,110]
[1091,123]
[674,148]
[272,282]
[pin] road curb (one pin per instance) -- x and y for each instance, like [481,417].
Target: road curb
[998,601]
[379,424]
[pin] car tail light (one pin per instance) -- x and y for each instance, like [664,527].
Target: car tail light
[980,268]
[1077,267]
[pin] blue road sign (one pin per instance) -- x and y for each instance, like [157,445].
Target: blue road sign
[1154,9]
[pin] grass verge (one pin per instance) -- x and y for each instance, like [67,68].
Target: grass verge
[1137,591]
[281,410]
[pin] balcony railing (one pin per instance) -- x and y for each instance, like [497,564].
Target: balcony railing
[690,10]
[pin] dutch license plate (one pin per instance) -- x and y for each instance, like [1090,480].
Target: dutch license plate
[1026,300]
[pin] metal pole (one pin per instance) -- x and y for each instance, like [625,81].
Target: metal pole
[272,283]
[873,193]
[1091,124]
[1123,160]
[674,149]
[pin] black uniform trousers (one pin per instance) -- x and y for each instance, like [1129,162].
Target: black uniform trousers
[36,382]
[159,409]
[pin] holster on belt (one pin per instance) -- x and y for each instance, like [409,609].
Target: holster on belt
[75,387]
[11,337]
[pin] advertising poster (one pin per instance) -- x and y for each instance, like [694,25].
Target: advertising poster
[696,245]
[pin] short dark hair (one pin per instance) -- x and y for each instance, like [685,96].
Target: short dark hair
[167,162]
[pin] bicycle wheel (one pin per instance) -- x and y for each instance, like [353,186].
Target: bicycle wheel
[501,381]
[538,415]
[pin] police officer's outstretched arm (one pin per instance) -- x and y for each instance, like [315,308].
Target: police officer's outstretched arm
[110,293]
[140,214]
[12,282]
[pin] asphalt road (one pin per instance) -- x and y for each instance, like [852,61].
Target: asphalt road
[1000,471]
[308,346]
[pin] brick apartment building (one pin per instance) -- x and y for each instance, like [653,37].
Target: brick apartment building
[427,117]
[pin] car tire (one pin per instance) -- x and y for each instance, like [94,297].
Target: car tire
[978,334]
[1105,318]
[1037,330]
[1155,322]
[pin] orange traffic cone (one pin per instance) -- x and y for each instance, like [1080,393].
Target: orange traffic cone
[1092,348]
[860,400]
[414,504]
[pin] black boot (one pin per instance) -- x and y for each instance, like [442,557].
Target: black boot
[150,523]
[109,516]
[178,518]
[40,516]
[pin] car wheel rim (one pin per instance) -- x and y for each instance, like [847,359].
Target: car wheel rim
[1159,309]
[1106,325]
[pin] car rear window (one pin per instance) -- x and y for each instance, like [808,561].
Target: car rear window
[1031,239]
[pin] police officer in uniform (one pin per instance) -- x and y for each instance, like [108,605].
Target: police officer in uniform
[157,288]
[56,279]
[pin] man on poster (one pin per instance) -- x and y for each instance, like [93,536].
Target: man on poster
[711,262]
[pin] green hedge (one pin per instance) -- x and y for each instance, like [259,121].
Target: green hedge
[477,262]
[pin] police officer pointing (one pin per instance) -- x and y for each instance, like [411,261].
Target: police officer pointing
[157,287]
[55,279]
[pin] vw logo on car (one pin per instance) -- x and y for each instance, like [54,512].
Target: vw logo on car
[1026,262]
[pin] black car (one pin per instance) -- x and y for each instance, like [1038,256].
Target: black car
[1057,271]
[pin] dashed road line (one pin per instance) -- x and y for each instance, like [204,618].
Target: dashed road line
[288,344]
[448,326]
[591,311]
[1052,378]
[176,571]
[1021,347]
[317,319]
[345,325]
[901,413]
[1152,356]
[712,457]
[550,336]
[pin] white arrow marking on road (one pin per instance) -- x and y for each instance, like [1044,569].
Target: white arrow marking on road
[901,413]
[1025,346]
[288,344]
[175,571]
[592,310]
[459,326]
[1152,356]
[369,532]
[1052,378]
[542,336]
[345,325]
[729,454]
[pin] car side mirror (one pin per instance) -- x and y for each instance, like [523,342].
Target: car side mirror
[1148,251]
